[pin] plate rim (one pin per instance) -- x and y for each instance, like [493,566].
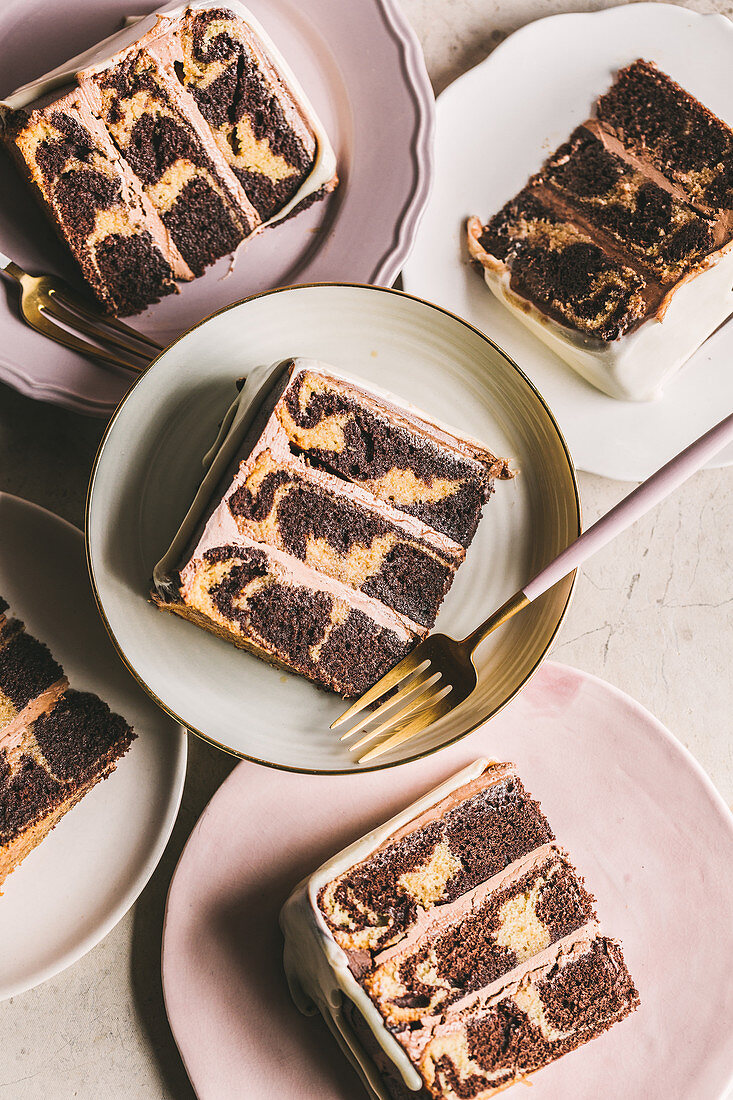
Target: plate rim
[374,766]
[419,90]
[423,143]
[143,876]
[614,10]
[631,10]
[667,736]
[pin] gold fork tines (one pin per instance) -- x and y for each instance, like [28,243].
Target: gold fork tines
[418,681]
[46,300]
[439,706]
[426,684]
[419,695]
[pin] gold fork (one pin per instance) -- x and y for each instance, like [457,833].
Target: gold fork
[440,673]
[46,300]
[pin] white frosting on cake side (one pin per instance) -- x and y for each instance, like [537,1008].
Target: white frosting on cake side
[636,366]
[317,969]
[98,56]
[234,427]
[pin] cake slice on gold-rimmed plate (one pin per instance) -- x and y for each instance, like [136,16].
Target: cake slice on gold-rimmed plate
[345,516]
[395,555]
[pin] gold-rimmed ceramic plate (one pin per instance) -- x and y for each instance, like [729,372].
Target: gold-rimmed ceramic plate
[149,465]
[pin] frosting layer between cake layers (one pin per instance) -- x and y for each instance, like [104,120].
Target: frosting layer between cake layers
[341,530]
[456,948]
[618,254]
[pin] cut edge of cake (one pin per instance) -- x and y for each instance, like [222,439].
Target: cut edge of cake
[290,615]
[159,131]
[277,499]
[349,422]
[95,203]
[511,1017]
[321,180]
[271,150]
[671,118]
[323,176]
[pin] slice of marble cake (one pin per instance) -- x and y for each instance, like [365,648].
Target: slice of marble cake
[336,485]
[55,743]
[618,252]
[95,202]
[455,949]
[184,134]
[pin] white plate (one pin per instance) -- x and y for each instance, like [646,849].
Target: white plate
[495,125]
[149,466]
[71,890]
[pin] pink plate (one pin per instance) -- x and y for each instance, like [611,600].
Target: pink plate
[642,821]
[361,66]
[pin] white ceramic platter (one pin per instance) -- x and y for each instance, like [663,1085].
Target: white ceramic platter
[495,126]
[72,889]
[149,467]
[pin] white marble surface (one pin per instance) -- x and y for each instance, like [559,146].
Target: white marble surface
[652,614]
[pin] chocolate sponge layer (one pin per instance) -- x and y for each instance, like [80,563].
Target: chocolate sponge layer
[376,902]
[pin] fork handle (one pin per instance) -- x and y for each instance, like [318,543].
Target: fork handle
[626,512]
[6,264]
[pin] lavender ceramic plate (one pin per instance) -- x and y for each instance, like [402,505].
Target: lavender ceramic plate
[381,130]
[642,821]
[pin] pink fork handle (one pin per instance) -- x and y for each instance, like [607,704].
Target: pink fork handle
[632,507]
